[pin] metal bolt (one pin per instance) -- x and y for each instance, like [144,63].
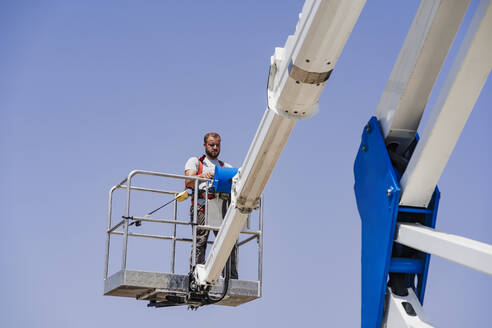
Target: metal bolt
[368,128]
[389,192]
[364,147]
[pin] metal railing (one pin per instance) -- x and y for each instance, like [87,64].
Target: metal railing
[124,223]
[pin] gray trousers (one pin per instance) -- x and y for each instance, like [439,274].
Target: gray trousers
[201,246]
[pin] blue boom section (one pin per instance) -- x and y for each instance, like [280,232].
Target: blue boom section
[223,178]
[377,191]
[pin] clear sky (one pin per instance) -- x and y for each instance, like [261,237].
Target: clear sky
[90,90]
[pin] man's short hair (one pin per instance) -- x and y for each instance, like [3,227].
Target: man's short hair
[210,134]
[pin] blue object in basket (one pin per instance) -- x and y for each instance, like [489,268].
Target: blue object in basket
[223,178]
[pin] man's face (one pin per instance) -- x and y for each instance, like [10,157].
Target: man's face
[212,147]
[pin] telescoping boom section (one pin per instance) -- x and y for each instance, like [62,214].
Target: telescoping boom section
[298,73]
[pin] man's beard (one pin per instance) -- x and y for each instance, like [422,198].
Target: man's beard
[212,155]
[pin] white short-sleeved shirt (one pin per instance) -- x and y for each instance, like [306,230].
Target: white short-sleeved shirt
[208,166]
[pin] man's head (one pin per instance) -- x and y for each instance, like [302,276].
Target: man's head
[212,145]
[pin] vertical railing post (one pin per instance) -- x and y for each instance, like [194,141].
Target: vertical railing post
[127,214]
[108,235]
[173,254]
[206,205]
[195,219]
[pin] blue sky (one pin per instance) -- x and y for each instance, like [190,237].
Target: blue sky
[90,90]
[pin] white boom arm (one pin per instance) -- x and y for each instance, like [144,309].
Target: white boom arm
[425,48]
[455,102]
[298,73]
[412,79]
[461,250]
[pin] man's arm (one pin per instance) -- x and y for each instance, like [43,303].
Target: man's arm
[190,184]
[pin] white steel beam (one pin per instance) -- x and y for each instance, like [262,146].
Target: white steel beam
[455,102]
[425,48]
[299,70]
[461,250]
[298,73]
[263,154]
[404,311]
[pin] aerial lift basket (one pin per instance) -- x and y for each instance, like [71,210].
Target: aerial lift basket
[164,289]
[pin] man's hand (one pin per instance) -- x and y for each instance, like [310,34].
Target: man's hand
[191,183]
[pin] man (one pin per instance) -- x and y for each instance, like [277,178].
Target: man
[204,167]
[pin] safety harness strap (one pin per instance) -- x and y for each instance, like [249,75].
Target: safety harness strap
[200,164]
